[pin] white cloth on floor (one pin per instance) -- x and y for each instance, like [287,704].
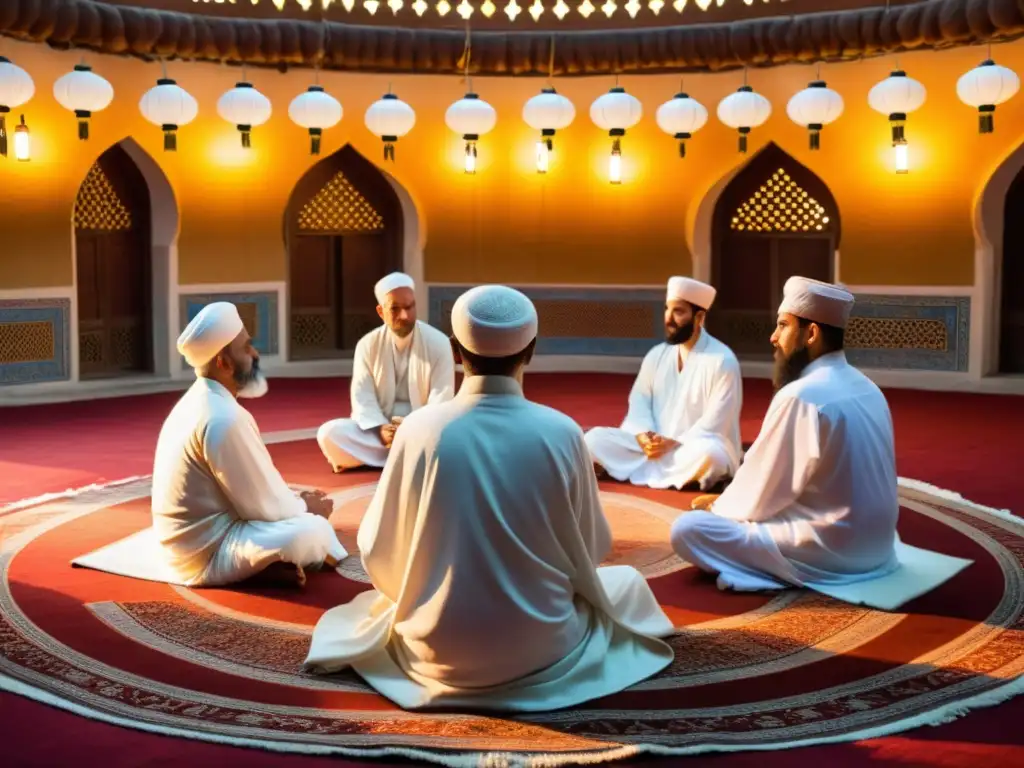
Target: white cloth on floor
[483,543]
[698,406]
[815,503]
[391,378]
[221,510]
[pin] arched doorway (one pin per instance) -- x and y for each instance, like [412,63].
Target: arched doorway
[775,219]
[113,268]
[1011,315]
[343,231]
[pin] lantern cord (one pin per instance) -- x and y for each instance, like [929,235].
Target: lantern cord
[551,61]
[467,54]
[163,67]
[744,76]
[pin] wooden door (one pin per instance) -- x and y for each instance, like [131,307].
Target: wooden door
[113,269]
[363,262]
[1011,332]
[313,278]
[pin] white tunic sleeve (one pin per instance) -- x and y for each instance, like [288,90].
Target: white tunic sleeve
[778,465]
[640,416]
[245,472]
[586,504]
[723,405]
[366,410]
[442,373]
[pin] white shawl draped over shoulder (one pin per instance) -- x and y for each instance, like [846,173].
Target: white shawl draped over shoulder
[431,374]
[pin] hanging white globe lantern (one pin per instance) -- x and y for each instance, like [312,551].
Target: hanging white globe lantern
[616,112]
[814,107]
[743,110]
[681,117]
[16,88]
[170,106]
[472,117]
[246,108]
[984,87]
[896,97]
[83,92]
[390,118]
[315,111]
[547,112]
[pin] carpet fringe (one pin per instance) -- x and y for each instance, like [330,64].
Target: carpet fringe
[953,496]
[69,493]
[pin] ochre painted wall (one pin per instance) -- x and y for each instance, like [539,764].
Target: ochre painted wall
[507,223]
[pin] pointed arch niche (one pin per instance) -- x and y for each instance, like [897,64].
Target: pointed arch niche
[344,230]
[774,219]
[125,224]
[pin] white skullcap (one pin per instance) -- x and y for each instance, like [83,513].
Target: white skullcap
[210,331]
[817,301]
[693,291]
[494,321]
[388,283]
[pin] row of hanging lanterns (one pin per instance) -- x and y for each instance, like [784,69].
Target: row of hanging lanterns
[170,107]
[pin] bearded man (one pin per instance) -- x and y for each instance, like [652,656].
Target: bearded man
[815,502]
[397,368]
[221,510]
[683,422]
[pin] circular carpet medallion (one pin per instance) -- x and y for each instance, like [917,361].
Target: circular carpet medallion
[752,671]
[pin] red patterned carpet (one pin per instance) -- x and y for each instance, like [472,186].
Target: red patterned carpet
[751,671]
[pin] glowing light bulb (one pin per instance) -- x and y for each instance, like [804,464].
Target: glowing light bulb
[633,8]
[512,10]
[536,9]
[586,8]
[349,5]
[543,156]
[465,9]
[615,167]
[609,8]
[561,9]
[420,6]
[22,142]
[656,6]
[470,158]
[371,6]
[443,7]
[679,5]
[900,157]
[395,6]
[488,8]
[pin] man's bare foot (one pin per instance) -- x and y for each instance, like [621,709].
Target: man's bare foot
[281,575]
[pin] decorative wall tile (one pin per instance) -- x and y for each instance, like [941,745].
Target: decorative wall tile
[34,340]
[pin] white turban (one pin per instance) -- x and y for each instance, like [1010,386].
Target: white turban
[388,283]
[693,291]
[817,301]
[494,321]
[210,331]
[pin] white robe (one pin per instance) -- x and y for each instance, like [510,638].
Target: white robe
[698,406]
[815,502]
[391,378]
[483,543]
[221,510]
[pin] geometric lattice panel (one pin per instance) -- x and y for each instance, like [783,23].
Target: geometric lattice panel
[310,331]
[896,333]
[339,207]
[97,206]
[780,205]
[26,342]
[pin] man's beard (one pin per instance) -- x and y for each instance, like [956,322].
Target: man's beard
[679,334]
[788,369]
[402,331]
[251,383]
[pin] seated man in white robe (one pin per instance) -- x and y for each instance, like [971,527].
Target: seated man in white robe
[483,543]
[683,422]
[221,510]
[397,368]
[815,502]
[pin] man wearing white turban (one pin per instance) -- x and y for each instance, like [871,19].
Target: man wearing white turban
[815,501]
[683,422]
[221,510]
[483,543]
[399,367]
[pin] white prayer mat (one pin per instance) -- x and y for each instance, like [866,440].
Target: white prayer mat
[139,556]
[920,571]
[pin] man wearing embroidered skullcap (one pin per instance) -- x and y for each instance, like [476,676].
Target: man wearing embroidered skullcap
[815,502]
[683,421]
[221,510]
[399,367]
[483,543]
